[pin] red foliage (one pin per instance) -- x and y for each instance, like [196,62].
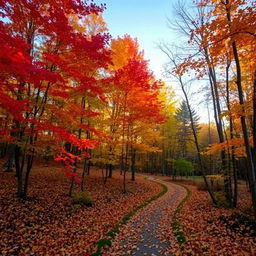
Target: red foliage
[44,60]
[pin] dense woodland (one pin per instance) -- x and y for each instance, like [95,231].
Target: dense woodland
[71,93]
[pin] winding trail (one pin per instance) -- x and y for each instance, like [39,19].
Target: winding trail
[148,232]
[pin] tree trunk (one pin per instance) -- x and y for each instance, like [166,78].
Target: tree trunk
[18,171]
[219,125]
[197,144]
[83,175]
[250,160]
[133,164]
[110,168]
[10,163]
[231,130]
[30,159]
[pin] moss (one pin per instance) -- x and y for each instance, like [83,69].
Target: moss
[176,225]
[112,233]
[82,198]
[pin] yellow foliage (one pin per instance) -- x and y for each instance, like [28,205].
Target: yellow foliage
[124,49]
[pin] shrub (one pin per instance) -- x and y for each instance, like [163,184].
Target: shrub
[221,199]
[216,186]
[82,198]
[183,167]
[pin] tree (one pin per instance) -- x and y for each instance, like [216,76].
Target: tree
[179,76]
[42,70]
[183,167]
[184,131]
[233,22]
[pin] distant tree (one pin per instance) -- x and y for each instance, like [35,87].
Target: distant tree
[184,131]
[183,167]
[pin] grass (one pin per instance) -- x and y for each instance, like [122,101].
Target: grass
[194,178]
[176,225]
[82,198]
[106,242]
[185,178]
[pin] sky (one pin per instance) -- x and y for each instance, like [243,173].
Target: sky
[144,19]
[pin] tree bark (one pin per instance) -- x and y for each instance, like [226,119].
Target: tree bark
[250,160]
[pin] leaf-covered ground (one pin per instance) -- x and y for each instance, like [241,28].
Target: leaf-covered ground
[216,231]
[147,233]
[50,224]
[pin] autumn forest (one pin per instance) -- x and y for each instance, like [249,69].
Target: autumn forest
[99,156]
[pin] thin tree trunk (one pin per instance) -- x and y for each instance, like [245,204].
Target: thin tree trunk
[30,160]
[18,171]
[72,184]
[110,173]
[83,175]
[198,149]
[233,161]
[133,164]
[106,173]
[88,168]
[218,121]
[250,161]
[126,161]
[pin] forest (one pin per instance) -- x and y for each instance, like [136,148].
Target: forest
[100,157]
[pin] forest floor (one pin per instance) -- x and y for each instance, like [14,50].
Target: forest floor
[215,231]
[148,232]
[202,228]
[50,224]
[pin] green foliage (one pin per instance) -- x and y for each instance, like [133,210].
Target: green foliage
[98,253]
[183,167]
[184,128]
[101,244]
[183,116]
[104,242]
[82,198]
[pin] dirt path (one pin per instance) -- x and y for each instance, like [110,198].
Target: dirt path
[146,232]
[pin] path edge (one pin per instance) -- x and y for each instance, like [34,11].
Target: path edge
[176,225]
[110,235]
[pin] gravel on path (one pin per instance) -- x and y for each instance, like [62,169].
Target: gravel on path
[149,231]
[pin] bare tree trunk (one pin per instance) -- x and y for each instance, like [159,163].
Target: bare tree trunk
[133,152]
[126,159]
[72,184]
[18,171]
[106,173]
[83,175]
[30,160]
[110,173]
[197,146]
[219,124]
[231,130]
[250,161]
